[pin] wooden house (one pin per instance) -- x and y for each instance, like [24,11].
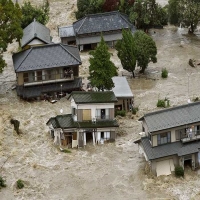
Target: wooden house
[172,138]
[91,120]
[86,32]
[47,70]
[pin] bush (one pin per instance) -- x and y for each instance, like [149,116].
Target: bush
[120,112]
[179,171]
[2,182]
[66,151]
[20,184]
[134,110]
[163,103]
[164,73]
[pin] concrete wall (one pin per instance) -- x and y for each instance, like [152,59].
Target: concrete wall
[20,79]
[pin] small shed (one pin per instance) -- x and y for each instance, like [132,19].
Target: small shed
[123,93]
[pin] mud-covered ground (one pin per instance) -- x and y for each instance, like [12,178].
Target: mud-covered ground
[111,171]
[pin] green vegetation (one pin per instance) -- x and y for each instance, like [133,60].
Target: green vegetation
[120,113]
[179,171]
[134,110]
[66,151]
[164,73]
[10,26]
[185,12]
[138,47]
[2,182]
[126,51]
[163,103]
[29,13]
[101,69]
[20,184]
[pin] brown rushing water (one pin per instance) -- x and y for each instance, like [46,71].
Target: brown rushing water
[112,171]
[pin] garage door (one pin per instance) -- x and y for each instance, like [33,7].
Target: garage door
[164,167]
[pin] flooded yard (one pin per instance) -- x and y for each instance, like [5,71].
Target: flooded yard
[109,171]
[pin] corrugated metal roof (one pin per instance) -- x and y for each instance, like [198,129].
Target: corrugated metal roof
[173,117]
[35,30]
[66,121]
[174,148]
[121,88]
[100,22]
[93,97]
[66,31]
[45,57]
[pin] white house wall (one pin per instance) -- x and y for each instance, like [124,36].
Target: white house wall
[35,42]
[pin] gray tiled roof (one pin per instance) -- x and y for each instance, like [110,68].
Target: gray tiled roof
[66,31]
[66,121]
[45,57]
[122,88]
[174,148]
[95,23]
[173,117]
[93,97]
[35,30]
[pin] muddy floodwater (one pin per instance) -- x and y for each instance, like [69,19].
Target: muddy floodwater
[109,171]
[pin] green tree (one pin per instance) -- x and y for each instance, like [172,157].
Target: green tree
[146,50]
[40,13]
[88,7]
[184,11]
[126,51]
[10,26]
[101,69]
[147,13]
[173,12]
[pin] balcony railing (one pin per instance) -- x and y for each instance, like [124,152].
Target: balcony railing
[192,136]
[102,117]
[44,79]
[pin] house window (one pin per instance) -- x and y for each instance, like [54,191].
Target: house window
[73,111]
[102,113]
[28,77]
[39,75]
[86,115]
[180,134]
[198,130]
[164,138]
[25,77]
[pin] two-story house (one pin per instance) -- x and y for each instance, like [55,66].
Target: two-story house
[172,138]
[47,70]
[86,32]
[91,119]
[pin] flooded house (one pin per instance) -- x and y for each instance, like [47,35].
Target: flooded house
[86,32]
[91,120]
[35,34]
[172,138]
[123,93]
[47,71]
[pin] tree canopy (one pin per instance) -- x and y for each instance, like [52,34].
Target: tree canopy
[139,48]
[101,69]
[184,11]
[146,50]
[88,7]
[29,12]
[147,13]
[10,26]
[127,51]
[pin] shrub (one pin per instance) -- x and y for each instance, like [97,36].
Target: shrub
[120,112]
[134,110]
[164,73]
[163,103]
[179,171]
[66,151]
[20,184]
[2,182]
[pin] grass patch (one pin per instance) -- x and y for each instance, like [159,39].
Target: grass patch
[120,113]
[164,73]
[2,182]
[20,184]
[66,151]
